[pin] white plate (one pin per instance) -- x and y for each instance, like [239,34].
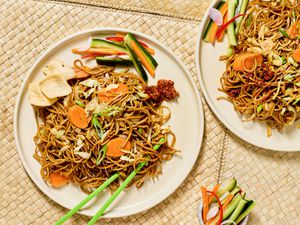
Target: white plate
[209,70]
[187,122]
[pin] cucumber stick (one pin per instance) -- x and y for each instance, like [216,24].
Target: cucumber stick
[129,38]
[238,210]
[232,4]
[100,43]
[137,64]
[248,208]
[243,9]
[227,187]
[235,190]
[232,205]
[113,61]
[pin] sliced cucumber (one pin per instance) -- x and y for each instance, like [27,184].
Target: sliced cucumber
[235,190]
[130,38]
[238,210]
[113,61]
[100,43]
[231,206]
[137,64]
[247,209]
[227,187]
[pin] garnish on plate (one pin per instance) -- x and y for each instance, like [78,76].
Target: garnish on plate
[225,204]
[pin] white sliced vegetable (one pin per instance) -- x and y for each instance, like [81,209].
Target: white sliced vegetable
[216,16]
[83,155]
[58,133]
[125,158]
[89,83]
[228,222]
[54,86]
[111,86]
[212,212]
[59,67]
[37,98]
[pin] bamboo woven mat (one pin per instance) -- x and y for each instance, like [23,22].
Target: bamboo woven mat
[28,28]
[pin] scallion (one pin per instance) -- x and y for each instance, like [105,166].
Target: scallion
[259,108]
[97,126]
[80,103]
[101,154]
[283,32]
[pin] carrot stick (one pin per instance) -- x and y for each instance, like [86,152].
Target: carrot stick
[78,117]
[219,39]
[58,180]
[215,189]
[118,34]
[143,59]
[227,201]
[115,145]
[205,203]
[215,27]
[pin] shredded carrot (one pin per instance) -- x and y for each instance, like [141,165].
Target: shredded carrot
[227,201]
[78,117]
[118,34]
[247,61]
[296,54]
[107,96]
[102,51]
[142,58]
[115,146]
[80,73]
[205,203]
[58,180]
[215,189]
[220,38]
[150,50]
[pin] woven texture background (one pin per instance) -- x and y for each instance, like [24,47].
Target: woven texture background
[29,27]
[185,9]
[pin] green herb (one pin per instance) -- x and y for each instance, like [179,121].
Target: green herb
[249,20]
[289,77]
[79,103]
[101,154]
[97,126]
[283,32]
[283,60]
[140,130]
[259,108]
[296,101]
[294,15]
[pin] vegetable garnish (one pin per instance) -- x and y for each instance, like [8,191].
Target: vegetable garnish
[283,32]
[78,117]
[58,180]
[220,206]
[80,103]
[97,126]
[102,154]
[205,203]
[231,204]
[224,26]
[216,16]
[115,146]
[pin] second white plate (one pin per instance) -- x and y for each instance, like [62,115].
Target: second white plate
[209,70]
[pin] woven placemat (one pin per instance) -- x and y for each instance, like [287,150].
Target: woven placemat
[28,28]
[184,9]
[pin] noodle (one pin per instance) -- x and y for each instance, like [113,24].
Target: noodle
[268,92]
[128,115]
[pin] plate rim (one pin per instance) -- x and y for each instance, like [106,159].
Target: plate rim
[198,142]
[238,133]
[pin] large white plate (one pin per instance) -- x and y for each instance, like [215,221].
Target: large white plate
[187,122]
[209,70]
